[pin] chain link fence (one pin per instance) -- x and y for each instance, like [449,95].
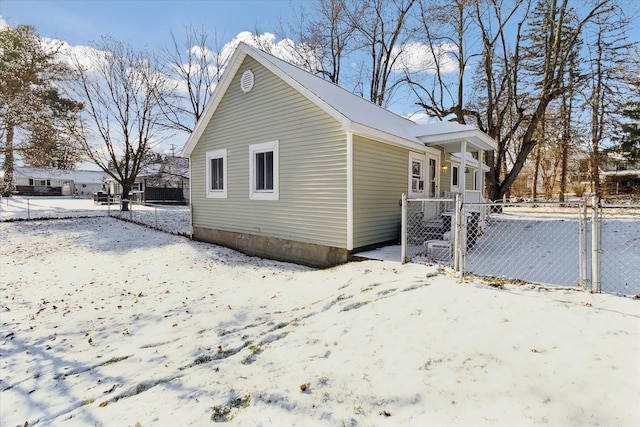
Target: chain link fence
[594,247]
[174,219]
[20,208]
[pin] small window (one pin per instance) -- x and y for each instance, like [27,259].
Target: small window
[263,171]
[454,176]
[217,173]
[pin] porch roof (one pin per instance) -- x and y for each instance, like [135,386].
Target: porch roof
[451,135]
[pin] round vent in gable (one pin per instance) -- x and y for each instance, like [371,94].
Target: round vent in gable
[246,82]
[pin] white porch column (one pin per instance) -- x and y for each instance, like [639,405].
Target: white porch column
[481,172]
[463,165]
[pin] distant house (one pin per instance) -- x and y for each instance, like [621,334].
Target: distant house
[289,166]
[57,182]
[165,182]
[620,175]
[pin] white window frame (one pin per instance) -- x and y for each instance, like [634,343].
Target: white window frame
[455,172]
[420,158]
[211,155]
[265,147]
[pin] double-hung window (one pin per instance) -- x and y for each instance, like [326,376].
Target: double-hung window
[217,173]
[263,171]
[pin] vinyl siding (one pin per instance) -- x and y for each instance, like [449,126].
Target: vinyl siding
[380,176]
[312,205]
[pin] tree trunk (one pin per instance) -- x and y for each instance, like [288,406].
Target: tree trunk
[567,109]
[126,189]
[595,169]
[563,168]
[536,170]
[7,185]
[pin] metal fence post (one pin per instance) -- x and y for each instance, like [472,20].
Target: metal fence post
[582,245]
[156,215]
[595,247]
[458,240]
[28,209]
[403,231]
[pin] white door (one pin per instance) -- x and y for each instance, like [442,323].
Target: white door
[433,177]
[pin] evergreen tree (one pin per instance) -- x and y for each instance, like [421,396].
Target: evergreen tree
[29,69]
[630,144]
[52,141]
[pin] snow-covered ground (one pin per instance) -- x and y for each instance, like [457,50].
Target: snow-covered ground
[105,322]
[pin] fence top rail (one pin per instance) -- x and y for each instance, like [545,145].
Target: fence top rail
[431,200]
[619,206]
[498,203]
[529,204]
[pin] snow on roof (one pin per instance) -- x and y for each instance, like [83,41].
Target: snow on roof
[355,113]
[83,176]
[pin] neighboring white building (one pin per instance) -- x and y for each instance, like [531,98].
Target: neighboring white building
[57,182]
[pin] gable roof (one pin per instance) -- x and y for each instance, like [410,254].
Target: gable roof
[353,112]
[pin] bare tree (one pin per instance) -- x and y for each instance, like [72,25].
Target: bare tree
[525,51]
[325,37]
[194,68]
[382,29]
[446,29]
[122,89]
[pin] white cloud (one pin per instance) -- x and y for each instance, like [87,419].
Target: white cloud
[419,58]
[3,23]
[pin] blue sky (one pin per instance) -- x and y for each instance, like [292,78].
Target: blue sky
[143,22]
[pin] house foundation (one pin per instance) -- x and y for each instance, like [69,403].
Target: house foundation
[309,254]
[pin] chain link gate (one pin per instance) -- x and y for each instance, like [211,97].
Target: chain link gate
[542,243]
[428,227]
[592,246]
[618,249]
